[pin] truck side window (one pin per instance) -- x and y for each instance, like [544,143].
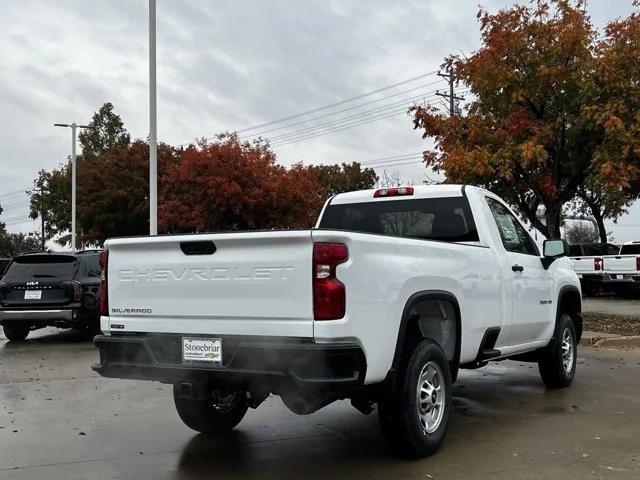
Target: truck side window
[630,249]
[514,237]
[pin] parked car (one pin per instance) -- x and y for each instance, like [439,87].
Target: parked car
[383,302]
[622,270]
[587,259]
[50,289]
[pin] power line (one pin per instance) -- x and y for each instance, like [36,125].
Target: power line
[346,126]
[395,164]
[337,104]
[16,193]
[14,217]
[404,156]
[365,113]
[319,117]
[340,128]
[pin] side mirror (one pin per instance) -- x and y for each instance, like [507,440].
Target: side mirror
[552,250]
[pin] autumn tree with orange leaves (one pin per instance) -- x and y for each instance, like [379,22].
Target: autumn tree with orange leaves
[224,184]
[556,107]
[233,185]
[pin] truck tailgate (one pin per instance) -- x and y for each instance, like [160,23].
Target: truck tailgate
[584,265]
[256,283]
[620,264]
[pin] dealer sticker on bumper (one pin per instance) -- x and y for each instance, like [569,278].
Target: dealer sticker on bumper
[203,351]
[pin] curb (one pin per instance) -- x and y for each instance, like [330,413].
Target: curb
[605,340]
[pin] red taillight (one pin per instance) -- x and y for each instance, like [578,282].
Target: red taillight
[77,290]
[597,264]
[638,263]
[393,192]
[329,297]
[103,293]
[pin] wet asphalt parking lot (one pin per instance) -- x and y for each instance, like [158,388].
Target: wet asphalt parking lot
[58,420]
[612,305]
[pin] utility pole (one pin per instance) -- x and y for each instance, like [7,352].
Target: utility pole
[153,131]
[42,218]
[451,95]
[73,127]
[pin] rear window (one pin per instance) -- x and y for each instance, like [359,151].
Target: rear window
[575,250]
[60,267]
[90,265]
[447,219]
[630,249]
[600,249]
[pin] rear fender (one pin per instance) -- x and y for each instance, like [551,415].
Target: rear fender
[432,314]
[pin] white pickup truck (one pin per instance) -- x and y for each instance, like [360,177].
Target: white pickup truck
[623,270]
[587,259]
[382,302]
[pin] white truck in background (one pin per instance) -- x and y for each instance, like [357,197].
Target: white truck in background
[587,259]
[392,292]
[623,270]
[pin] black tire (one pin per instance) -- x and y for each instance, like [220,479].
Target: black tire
[399,413]
[16,333]
[201,415]
[558,362]
[589,289]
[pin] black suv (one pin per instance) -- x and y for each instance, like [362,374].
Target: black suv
[50,289]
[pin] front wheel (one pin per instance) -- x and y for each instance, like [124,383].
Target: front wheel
[216,412]
[558,362]
[414,418]
[16,333]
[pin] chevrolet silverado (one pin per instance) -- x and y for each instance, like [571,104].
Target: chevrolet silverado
[381,303]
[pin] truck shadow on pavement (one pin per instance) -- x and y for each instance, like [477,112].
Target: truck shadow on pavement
[344,440]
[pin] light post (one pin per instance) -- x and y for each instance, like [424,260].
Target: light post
[153,133]
[73,127]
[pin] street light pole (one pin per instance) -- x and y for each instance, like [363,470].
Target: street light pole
[74,177]
[153,133]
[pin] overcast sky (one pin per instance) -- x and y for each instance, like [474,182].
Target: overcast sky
[227,65]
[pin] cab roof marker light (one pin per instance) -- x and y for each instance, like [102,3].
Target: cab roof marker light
[393,192]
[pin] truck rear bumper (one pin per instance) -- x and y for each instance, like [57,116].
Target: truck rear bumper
[621,278]
[244,360]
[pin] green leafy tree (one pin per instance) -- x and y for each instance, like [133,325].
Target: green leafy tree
[11,244]
[52,189]
[107,132]
[599,200]
[334,179]
[51,193]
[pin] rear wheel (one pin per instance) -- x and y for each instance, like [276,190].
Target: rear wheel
[217,412]
[414,418]
[558,362]
[16,333]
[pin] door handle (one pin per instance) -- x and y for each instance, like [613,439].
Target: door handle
[517,268]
